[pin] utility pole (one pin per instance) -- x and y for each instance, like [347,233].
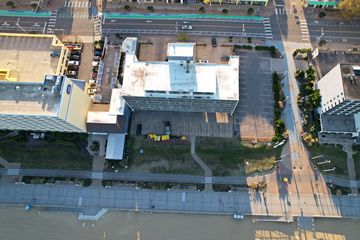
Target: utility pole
[17,24]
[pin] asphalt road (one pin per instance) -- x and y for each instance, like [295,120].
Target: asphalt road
[37,24]
[334,31]
[199,27]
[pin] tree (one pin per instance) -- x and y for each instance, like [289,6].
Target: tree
[249,39]
[127,7]
[151,8]
[321,14]
[250,11]
[10,4]
[350,8]
[315,98]
[225,11]
[201,9]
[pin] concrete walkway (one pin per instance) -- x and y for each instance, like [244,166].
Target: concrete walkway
[351,168]
[202,164]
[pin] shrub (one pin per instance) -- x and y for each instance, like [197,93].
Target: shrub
[322,14]
[322,42]
[201,9]
[151,8]
[10,4]
[300,75]
[230,39]
[127,7]
[225,11]
[250,11]
[249,39]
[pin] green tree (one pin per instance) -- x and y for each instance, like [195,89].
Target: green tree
[225,11]
[315,98]
[250,11]
[350,8]
[201,9]
[10,4]
[321,14]
[151,8]
[127,7]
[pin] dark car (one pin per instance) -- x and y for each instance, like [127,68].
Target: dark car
[138,129]
[75,57]
[225,58]
[55,54]
[98,53]
[73,67]
[213,42]
[167,127]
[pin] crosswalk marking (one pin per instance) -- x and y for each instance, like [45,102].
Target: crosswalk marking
[52,22]
[283,11]
[73,15]
[267,28]
[69,4]
[305,36]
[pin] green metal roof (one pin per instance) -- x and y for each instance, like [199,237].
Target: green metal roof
[322,3]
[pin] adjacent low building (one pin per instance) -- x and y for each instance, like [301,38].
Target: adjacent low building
[179,84]
[340,99]
[34,93]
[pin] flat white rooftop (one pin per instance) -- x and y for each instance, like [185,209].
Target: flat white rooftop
[181,50]
[222,80]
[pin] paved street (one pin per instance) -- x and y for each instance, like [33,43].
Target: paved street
[238,28]
[247,202]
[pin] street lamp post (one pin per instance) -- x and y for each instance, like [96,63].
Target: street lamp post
[18,25]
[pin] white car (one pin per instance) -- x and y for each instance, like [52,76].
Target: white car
[95,63]
[92,81]
[72,73]
[76,63]
[186,27]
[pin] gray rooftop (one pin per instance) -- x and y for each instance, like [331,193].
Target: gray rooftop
[337,123]
[29,98]
[351,80]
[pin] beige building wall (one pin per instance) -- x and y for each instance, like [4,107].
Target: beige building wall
[75,105]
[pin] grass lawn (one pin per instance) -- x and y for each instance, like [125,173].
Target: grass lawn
[45,155]
[161,157]
[330,152]
[231,157]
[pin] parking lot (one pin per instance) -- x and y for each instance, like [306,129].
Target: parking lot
[329,59]
[254,114]
[184,124]
[21,55]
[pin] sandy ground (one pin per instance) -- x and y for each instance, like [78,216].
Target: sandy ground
[16,224]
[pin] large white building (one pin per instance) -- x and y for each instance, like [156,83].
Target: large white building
[34,93]
[181,83]
[340,100]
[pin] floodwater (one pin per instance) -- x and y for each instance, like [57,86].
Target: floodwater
[18,224]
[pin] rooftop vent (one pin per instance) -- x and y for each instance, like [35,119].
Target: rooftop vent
[352,79]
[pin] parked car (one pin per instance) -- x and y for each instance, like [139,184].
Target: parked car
[55,54]
[167,127]
[74,73]
[91,90]
[213,42]
[75,57]
[76,52]
[138,129]
[73,67]
[92,81]
[98,53]
[225,58]
[186,27]
[95,63]
[77,63]
[96,58]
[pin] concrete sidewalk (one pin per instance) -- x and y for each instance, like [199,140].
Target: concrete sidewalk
[246,202]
